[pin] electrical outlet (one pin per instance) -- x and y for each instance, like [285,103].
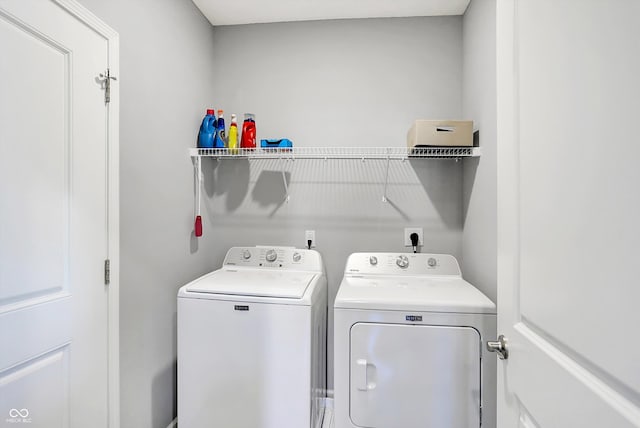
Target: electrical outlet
[310,235]
[407,236]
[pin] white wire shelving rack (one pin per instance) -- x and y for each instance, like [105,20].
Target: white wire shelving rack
[391,153]
[326,153]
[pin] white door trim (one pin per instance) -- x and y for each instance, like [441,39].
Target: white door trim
[113,200]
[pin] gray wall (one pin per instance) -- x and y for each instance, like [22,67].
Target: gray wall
[479,240]
[341,83]
[165,85]
[337,83]
[332,83]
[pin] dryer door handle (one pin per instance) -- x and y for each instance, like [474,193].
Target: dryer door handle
[360,375]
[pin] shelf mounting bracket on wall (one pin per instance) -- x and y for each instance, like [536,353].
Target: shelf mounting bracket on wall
[286,186]
[386,181]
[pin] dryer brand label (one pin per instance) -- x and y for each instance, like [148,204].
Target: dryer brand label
[413,317]
[241,307]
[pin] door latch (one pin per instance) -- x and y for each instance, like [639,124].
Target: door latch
[499,347]
[106,78]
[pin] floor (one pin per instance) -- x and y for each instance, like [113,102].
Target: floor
[327,420]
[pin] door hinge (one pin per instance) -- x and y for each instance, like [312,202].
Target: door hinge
[106,78]
[107,272]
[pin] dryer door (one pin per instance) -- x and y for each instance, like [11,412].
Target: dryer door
[414,376]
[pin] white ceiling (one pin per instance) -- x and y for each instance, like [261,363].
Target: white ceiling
[224,12]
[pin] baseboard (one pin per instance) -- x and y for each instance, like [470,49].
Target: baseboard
[173,424]
[327,402]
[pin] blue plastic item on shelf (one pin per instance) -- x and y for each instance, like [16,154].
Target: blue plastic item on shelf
[282,143]
[207,132]
[220,139]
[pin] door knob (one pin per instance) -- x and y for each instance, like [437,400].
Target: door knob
[500,347]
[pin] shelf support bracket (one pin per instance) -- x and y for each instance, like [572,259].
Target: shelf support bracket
[198,176]
[286,186]
[386,181]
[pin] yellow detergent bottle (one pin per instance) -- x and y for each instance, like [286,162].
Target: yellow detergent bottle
[233,135]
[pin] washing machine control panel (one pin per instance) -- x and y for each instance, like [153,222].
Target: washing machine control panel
[274,257]
[402,261]
[402,264]
[271,256]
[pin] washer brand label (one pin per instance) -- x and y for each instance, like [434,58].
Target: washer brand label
[413,317]
[241,307]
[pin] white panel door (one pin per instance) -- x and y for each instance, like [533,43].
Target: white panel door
[433,383]
[53,219]
[568,210]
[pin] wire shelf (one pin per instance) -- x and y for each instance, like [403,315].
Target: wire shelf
[340,153]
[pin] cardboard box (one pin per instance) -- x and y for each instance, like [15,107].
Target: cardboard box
[448,133]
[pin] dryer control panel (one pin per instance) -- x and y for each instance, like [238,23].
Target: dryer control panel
[287,258]
[410,264]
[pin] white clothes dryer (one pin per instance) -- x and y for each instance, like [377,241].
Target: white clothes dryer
[252,341]
[408,343]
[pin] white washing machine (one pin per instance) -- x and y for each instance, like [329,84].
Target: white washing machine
[252,341]
[408,343]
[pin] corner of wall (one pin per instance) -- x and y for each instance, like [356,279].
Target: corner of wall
[479,240]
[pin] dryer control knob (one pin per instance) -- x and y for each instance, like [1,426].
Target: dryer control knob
[271,256]
[297,257]
[402,261]
[373,260]
[246,254]
[432,262]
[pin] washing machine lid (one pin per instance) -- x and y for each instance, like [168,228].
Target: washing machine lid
[424,294]
[253,282]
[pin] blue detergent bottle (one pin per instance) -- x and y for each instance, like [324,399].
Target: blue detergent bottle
[207,133]
[220,140]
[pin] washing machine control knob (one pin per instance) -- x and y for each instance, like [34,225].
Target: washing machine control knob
[373,260]
[402,261]
[271,256]
[432,262]
[297,257]
[246,254]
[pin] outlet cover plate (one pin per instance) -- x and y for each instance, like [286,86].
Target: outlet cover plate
[310,234]
[407,236]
